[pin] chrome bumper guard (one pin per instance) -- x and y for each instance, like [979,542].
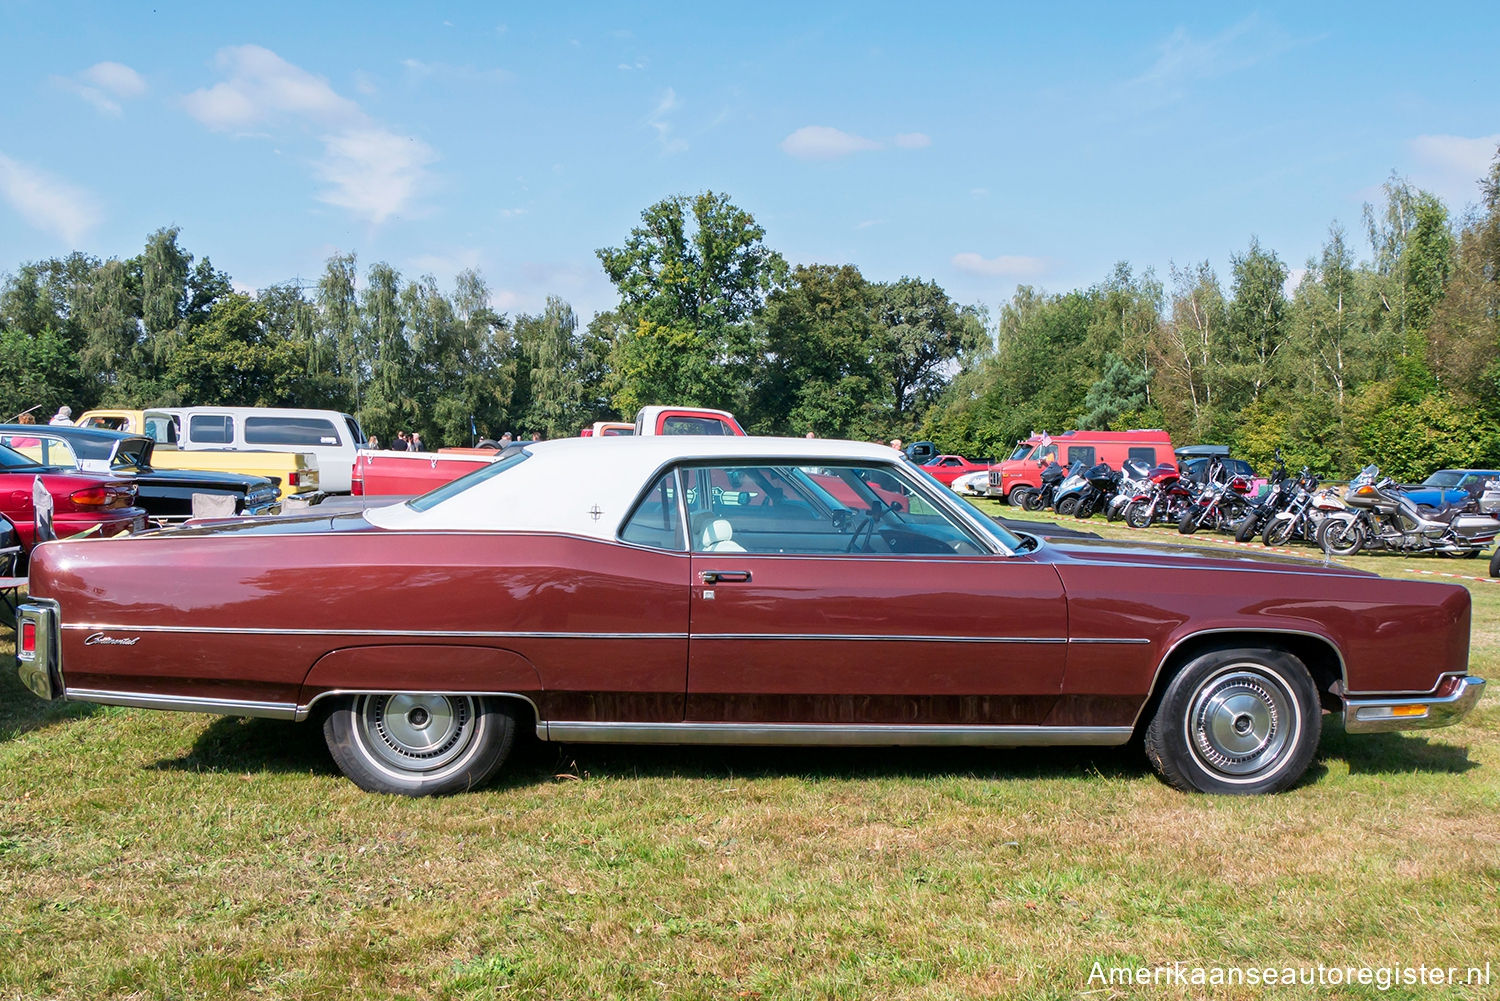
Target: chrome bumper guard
[1448,703]
[39,667]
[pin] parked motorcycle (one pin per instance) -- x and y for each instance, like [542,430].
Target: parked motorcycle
[1135,480]
[1068,492]
[1264,508]
[1046,494]
[1381,516]
[1300,517]
[1220,504]
[1103,482]
[1167,499]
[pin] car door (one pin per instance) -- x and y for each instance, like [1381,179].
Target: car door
[883,609]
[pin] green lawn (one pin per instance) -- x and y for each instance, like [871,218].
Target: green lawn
[158,855]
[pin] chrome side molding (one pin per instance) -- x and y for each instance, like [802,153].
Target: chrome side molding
[833,734]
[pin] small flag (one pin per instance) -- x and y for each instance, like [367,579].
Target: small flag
[1046,439]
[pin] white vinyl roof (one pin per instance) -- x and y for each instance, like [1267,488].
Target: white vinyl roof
[586,486]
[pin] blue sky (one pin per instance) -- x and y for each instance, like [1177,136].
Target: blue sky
[981,145]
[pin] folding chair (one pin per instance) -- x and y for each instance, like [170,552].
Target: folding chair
[10,585]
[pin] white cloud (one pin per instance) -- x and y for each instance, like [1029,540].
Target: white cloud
[47,203]
[668,104]
[105,85]
[370,170]
[868,223]
[820,142]
[1004,266]
[1183,60]
[979,192]
[913,140]
[1451,166]
[262,87]
[116,78]
[374,173]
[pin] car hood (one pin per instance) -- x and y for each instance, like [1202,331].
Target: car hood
[197,478]
[1084,552]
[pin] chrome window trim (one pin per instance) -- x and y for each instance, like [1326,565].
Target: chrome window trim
[834,734]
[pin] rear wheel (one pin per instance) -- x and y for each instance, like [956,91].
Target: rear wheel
[1067,506]
[419,744]
[1341,537]
[1238,721]
[1019,496]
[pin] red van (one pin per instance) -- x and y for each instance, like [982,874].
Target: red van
[1075,449]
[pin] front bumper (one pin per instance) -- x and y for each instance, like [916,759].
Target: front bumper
[1446,704]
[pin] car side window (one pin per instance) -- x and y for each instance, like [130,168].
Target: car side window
[1144,453]
[1080,456]
[657,519]
[816,510]
[212,429]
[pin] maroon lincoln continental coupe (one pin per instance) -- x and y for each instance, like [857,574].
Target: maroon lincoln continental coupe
[734,590]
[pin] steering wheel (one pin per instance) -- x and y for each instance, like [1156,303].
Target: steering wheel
[864,527]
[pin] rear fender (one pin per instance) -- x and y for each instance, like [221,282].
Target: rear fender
[453,669]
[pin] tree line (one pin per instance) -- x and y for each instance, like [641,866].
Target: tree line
[1394,358]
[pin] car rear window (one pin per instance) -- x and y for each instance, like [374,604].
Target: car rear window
[435,497]
[290,431]
[695,425]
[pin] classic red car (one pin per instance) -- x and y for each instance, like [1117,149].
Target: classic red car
[710,590]
[947,468]
[80,501]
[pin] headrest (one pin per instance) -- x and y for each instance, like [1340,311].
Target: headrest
[717,530]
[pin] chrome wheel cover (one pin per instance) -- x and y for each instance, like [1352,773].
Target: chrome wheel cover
[420,733]
[1242,723]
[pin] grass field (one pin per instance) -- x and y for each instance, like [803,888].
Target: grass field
[159,855]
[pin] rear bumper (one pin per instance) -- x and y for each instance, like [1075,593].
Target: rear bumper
[1452,700]
[39,667]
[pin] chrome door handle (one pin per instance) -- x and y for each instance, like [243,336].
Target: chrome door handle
[724,576]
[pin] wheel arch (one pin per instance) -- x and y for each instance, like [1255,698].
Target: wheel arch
[1321,656]
[446,669]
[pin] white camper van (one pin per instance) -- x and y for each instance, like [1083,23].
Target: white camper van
[332,436]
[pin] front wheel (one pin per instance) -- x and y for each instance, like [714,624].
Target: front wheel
[1020,497]
[1237,721]
[419,744]
[1067,506]
[1244,529]
[1138,514]
[1188,523]
[1341,537]
[1034,500]
[1495,564]
[1278,532]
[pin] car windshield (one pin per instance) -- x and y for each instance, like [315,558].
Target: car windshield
[1443,478]
[435,497]
[1021,452]
[1012,543]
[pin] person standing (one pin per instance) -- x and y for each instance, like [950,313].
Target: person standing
[63,417]
[415,444]
[374,443]
[399,445]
